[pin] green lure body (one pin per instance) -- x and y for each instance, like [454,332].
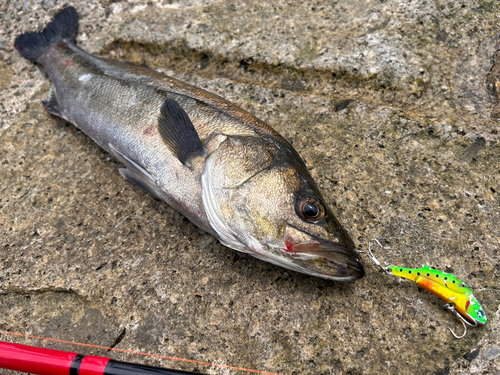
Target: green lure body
[446,286]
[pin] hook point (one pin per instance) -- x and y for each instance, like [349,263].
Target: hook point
[451,307]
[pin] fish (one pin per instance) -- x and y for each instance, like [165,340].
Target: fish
[224,169]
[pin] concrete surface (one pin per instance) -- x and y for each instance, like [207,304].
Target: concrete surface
[389,103]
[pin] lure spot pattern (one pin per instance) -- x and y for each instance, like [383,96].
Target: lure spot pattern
[460,299]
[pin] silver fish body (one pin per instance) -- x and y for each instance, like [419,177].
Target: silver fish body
[224,169]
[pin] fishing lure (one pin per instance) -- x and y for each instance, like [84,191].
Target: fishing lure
[459,298]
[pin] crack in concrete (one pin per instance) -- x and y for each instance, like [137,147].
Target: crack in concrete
[181,58]
[43,290]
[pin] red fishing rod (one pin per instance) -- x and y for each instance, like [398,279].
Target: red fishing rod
[41,361]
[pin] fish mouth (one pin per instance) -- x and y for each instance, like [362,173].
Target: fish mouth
[322,258]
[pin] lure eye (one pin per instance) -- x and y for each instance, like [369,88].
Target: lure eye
[480,314]
[310,208]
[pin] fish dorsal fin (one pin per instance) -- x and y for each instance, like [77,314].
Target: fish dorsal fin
[178,131]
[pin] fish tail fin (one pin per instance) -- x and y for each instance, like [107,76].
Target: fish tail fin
[64,26]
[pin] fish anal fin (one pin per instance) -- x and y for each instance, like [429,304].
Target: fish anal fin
[178,132]
[139,180]
[50,104]
[137,174]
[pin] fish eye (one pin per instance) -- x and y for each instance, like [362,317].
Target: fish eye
[310,208]
[480,313]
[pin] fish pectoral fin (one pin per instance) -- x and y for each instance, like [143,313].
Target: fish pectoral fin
[178,131]
[136,174]
[50,104]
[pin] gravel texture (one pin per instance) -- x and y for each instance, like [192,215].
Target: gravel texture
[393,107]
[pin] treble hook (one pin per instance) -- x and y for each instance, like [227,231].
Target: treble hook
[451,307]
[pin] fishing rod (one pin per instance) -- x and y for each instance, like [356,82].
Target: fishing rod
[202,363]
[41,361]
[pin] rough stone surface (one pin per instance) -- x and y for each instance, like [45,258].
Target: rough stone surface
[388,104]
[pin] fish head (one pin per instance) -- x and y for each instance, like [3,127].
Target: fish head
[265,203]
[474,311]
